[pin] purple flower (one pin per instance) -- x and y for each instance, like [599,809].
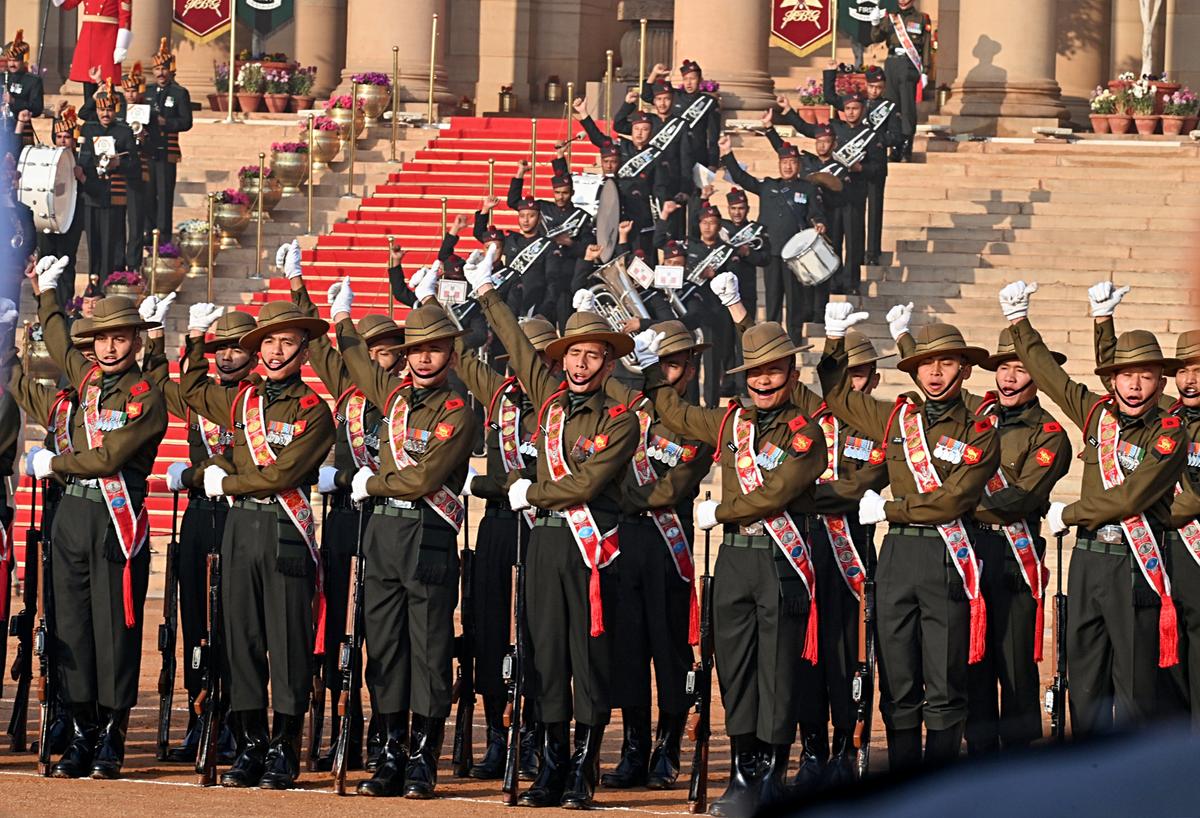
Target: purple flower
[372,78]
[127,278]
[168,250]
[231,196]
[286,147]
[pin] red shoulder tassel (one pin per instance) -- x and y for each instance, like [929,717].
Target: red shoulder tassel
[595,603]
[320,614]
[127,595]
[978,629]
[1168,633]
[693,617]
[1039,622]
[810,633]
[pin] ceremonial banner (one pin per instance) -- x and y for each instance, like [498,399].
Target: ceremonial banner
[202,20]
[802,26]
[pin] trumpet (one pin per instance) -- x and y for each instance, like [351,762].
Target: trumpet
[749,236]
[617,301]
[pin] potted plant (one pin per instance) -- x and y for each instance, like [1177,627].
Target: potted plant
[1141,106]
[276,82]
[272,188]
[193,244]
[346,113]
[277,59]
[250,84]
[1120,122]
[129,283]
[289,165]
[812,102]
[1103,104]
[326,140]
[850,78]
[300,85]
[168,274]
[231,215]
[374,92]
[1177,110]
[508,100]
[219,101]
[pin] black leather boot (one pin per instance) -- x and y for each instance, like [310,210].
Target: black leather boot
[185,753]
[282,764]
[664,760]
[773,787]
[110,747]
[77,759]
[943,746]
[904,749]
[533,736]
[376,738]
[740,799]
[585,766]
[491,766]
[814,752]
[426,748]
[253,740]
[635,750]
[392,761]
[840,770]
[547,787]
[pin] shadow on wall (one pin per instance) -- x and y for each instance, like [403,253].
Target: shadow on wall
[1079,27]
[978,99]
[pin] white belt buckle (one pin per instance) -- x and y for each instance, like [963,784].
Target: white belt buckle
[89,483]
[752,530]
[1109,534]
[396,502]
[899,50]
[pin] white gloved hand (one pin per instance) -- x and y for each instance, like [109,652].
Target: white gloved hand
[202,315]
[518,494]
[1014,299]
[287,258]
[478,269]
[148,307]
[214,476]
[29,458]
[158,311]
[340,297]
[898,318]
[175,476]
[840,316]
[471,475]
[325,480]
[706,514]
[49,269]
[358,485]
[583,301]
[645,347]
[726,288]
[870,508]
[424,283]
[1103,298]
[1054,518]
[41,463]
[124,38]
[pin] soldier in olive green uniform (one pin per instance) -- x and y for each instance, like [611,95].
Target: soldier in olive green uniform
[1120,627]
[356,445]
[930,614]
[764,588]
[656,585]
[100,560]
[269,563]
[411,579]
[1183,539]
[588,440]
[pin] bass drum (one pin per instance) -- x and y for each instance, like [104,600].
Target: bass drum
[810,257]
[48,186]
[608,219]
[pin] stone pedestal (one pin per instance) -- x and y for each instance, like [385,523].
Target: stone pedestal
[731,47]
[372,30]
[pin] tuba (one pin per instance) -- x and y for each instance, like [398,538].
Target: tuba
[617,301]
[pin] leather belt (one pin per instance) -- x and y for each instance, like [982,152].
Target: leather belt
[92,493]
[915,531]
[89,482]
[759,543]
[388,510]
[397,503]
[1097,547]
[253,503]
[1107,534]
[498,511]
[549,513]
[100,18]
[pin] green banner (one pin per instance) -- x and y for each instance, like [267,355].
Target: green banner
[265,16]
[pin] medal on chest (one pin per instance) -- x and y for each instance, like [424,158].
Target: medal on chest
[1193,456]
[769,457]
[281,434]
[858,448]
[1129,455]
[949,450]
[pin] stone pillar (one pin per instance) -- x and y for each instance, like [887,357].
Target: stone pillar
[730,43]
[1083,30]
[1126,52]
[505,31]
[321,41]
[151,22]
[1183,32]
[371,31]
[1005,83]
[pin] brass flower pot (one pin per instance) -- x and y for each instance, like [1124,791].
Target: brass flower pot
[272,191]
[134,294]
[232,220]
[167,276]
[41,366]
[343,117]
[325,147]
[375,99]
[193,248]
[290,169]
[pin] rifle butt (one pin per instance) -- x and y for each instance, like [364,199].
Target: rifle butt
[698,789]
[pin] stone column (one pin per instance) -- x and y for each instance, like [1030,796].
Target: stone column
[373,28]
[151,22]
[1183,32]
[505,33]
[730,43]
[1005,83]
[1083,30]
[321,41]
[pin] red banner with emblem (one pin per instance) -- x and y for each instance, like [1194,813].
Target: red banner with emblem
[202,20]
[802,26]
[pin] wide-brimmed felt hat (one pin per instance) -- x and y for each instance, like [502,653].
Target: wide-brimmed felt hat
[937,340]
[111,313]
[1138,348]
[1006,351]
[80,325]
[376,328]
[428,323]
[860,350]
[588,327]
[538,330]
[764,343]
[228,330]
[1187,347]
[277,316]
[677,338]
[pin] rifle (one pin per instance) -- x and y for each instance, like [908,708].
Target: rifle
[316,702]
[167,636]
[464,684]
[1056,692]
[21,627]
[699,686]
[47,692]
[208,656]
[513,672]
[862,687]
[349,658]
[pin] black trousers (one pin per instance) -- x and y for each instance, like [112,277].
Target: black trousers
[714,361]
[780,283]
[268,614]
[573,670]
[106,239]
[902,81]
[99,659]
[162,196]
[1185,590]
[137,217]
[1013,719]
[492,587]
[923,626]
[852,218]
[652,620]
[202,528]
[340,545]
[411,591]
[876,187]
[766,685]
[64,244]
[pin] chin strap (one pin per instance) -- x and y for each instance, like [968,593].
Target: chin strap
[956,382]
[291,358]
